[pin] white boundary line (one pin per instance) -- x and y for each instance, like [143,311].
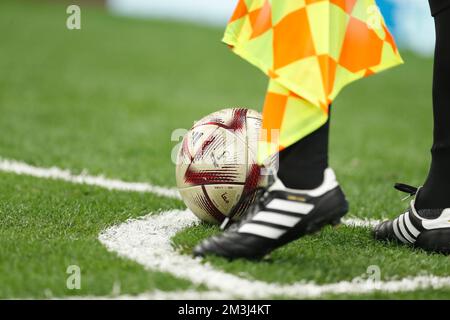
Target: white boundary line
[148,242]
[162,295]
[55,173]
[361,223]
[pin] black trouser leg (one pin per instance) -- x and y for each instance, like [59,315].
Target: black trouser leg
[436,191]
[302,164]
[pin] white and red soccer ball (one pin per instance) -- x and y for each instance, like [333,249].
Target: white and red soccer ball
[217,164]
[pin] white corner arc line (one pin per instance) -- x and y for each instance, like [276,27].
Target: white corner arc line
[55,173]
[148,242]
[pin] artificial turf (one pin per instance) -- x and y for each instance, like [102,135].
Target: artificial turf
[107,98]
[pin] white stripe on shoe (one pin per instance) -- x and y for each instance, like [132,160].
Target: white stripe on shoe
[261,230]
[276,218]
[410,226]
[403,229]
[290,206]
[397,232]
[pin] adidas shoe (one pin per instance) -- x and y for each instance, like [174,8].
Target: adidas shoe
[278,215]
[428,229]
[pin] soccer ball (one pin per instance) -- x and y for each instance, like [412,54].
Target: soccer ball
[216,170]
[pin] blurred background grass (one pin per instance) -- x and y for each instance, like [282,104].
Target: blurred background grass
[107,98]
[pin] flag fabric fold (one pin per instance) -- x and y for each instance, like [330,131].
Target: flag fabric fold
[310,50]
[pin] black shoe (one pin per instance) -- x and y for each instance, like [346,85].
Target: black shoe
[428,229]
[279,215]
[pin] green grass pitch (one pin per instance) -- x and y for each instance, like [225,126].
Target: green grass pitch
[106,99]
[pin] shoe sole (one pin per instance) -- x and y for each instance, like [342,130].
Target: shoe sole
[437,241]
[333,208]
[332,218]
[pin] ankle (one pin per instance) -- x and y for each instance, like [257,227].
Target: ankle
[303,179]
[430,197]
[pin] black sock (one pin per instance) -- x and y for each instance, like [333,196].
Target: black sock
[436,191]
[302,164]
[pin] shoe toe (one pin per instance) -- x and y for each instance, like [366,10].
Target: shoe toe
[202,249]
[384,231]
[209,247]
[199,251]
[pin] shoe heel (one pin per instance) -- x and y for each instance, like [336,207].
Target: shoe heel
[334,219]
[435,240]
[337,219]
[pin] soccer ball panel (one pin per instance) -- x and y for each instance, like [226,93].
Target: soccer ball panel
[254,124]
[198,201]
[217,156]
[224,197]
[216,165]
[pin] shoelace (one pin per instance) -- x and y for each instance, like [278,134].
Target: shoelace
[260,195]
[410,190]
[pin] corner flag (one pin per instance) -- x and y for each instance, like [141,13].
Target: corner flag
[310,49]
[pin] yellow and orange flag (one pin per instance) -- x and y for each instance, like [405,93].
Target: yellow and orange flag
[310,49]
